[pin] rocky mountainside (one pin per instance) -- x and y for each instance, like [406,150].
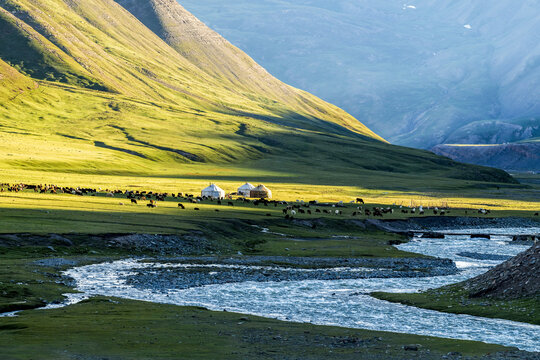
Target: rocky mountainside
[516,278]
[414,72]
[513,157]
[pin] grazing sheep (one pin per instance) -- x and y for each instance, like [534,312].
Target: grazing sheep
[293,212]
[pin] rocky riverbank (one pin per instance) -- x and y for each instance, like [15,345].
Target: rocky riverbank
[187,272]
[516,278]
[439,223]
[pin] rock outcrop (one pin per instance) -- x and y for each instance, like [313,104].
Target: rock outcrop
[516,278]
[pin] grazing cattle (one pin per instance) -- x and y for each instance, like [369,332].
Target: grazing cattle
[230,203]
[354,213]
[317,210]
[359,201]
[219,202]
[535,214]
[181,206]
[133,201]
[216,210]
[196,209]
[367,212]
[268,214]
[151,205]
[309,212]
[301,211]
[284,211]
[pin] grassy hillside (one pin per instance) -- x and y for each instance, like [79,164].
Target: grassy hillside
[105,95]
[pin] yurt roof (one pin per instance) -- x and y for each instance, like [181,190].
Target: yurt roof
[246,186]
[261,188]
[213,187]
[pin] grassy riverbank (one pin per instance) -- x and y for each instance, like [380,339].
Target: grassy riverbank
[121,329]
[455,299]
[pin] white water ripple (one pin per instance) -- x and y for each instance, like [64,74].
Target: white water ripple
[337,302]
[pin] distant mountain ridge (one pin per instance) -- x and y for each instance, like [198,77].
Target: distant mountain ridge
[414,72]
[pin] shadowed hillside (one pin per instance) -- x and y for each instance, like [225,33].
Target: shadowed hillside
[103,93]
[415,72]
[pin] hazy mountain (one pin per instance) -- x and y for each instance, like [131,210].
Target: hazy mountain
[91,86]
[523,156]
[413,71]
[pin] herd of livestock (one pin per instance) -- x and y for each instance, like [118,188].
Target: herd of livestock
[290,210]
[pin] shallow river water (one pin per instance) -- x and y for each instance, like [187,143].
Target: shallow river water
[337,302]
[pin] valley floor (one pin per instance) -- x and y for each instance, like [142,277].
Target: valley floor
[41,226]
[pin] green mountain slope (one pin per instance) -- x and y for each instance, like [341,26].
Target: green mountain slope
[103,93]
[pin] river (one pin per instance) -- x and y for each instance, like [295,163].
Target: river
[336,302]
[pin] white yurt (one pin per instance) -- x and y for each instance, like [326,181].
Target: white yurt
[245,189]
[213,191]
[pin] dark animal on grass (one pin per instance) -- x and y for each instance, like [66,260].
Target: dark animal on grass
[367,212]
[230,203]
[268,214]
[181,206]
[151,205]
[284,211]
[133,201]
[359,201]
[219,202]
[196,209]
[301,211]
[216,210]
[535,214]
[354,213]
[309,212]
[317,210]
